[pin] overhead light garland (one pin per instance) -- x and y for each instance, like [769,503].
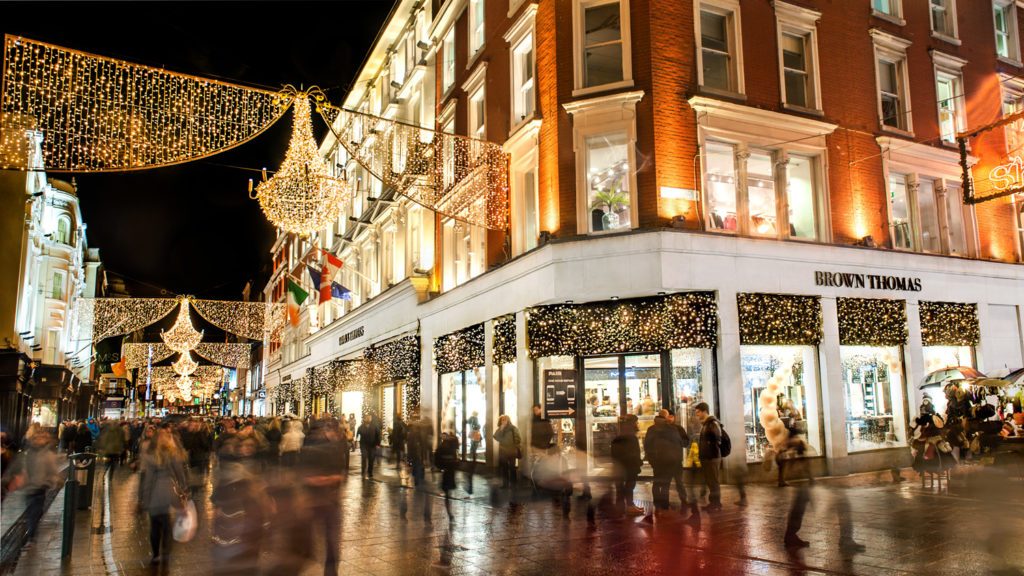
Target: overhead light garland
[140,355]
[101,318]
[872,322]
[252,320]
[687,320]
[779,319]
[504,344]
[302,197]
[101,114]
[182,336]
[230,354]
[456,176]
[458,351]
[949,324]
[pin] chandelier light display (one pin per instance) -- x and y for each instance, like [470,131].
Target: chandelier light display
[302,197]
[182,337]
[185,365]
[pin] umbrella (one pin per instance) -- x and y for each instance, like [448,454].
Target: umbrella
[1015,378]
[950,374]
[988,382]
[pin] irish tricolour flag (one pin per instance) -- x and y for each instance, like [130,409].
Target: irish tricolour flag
[296,296]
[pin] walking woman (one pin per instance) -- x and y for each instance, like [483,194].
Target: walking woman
[163,486]
[509,449]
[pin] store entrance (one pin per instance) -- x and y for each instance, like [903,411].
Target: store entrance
[615,386]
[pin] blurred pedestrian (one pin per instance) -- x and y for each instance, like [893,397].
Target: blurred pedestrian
[663,447]
[509,449]
[36,472]
[447,458]
[710,449]
[625,452]
[398,435]
[541,433]
[111,443]
[239,512]
[352,425]
[291,443]
[321,465]
[67,436]
[418,445]
[83,438]
[162,490]
[369,440]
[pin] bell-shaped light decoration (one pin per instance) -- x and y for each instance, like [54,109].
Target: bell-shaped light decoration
[185,365]
[182,337]
[301,197]
[185,388]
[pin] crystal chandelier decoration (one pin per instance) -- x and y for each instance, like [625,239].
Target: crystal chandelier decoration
[185,388]
[182,337]
[302,196]
[185,365]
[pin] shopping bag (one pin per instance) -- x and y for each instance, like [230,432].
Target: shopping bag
[186,522]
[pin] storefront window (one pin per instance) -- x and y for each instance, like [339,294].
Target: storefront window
[44,413]
[939,357]
[800,197]
[761,194]
[451,404]
[873,383]
[614,386]
[464,410]
[608,181]
[721,183]
[692,383]
[793,370]
[387,413]
[505,377]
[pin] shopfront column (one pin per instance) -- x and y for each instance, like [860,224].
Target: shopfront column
[914,358]
[492,389]
[730,378]
[985,362]
[524,380]
[833,397]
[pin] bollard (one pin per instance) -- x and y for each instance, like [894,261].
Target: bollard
[82,463]
[85,488]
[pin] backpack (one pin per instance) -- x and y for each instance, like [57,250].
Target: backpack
[726,445]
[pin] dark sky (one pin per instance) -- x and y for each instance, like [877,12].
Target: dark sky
[191,229]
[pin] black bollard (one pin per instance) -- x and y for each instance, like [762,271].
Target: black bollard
[70,496]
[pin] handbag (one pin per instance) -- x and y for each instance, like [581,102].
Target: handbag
[186,523]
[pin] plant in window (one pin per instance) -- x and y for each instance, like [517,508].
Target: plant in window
[613,201]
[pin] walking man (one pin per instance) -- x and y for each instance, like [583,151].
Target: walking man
[664,450]
[710,449]
[369,439]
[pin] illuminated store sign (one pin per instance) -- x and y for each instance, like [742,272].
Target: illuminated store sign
[869,281]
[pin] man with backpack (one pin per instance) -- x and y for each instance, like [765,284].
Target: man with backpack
[714,445]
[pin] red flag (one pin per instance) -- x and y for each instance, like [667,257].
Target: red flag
[331,267]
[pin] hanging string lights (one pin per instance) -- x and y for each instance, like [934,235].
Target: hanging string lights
[458,351]
[872,322]
[102,114]
[949,324]
[140,355]
[302,197]
[779,319]
[252,320]
[230,354]
[182,337]
[99,318]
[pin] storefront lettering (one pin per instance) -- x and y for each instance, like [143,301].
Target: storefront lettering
[349,336]
[1008,175]
[869,281]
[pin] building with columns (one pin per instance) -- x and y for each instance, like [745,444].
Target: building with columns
[757,204]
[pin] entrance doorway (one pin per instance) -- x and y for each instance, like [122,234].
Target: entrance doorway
[615,386]
[352,403]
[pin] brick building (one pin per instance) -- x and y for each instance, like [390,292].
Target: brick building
[792,163]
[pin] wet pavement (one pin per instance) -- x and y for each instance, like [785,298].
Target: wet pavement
[974,527]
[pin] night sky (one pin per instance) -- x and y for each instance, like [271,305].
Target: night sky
[191,229]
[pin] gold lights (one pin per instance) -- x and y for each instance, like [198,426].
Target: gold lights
[779,319]
[140,355]
[302,197]
[99,318]
[872,322]
[182,337]
[949,324]
[185,365]
[252,320]
[101,114]
[230,354]
[458,351]
[456,176]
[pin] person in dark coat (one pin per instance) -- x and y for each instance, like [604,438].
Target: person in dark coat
[369,440]
[83,438]
[664,450]
[398,435]
[447,458]
[710,450]
[670,417]
[626,455]
[67,437]
[323,471]
[541,433]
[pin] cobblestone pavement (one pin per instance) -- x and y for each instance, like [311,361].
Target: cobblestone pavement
[976,527]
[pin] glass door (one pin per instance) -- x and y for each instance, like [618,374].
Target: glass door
[642,381]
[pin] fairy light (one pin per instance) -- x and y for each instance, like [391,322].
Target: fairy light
[504,343]
[252,320]
[302,197]
[182,336]
[688,320]
[185,365]
[949,324]
[779,319]
[100,318]
[136,355]
[458,351]
[101,114]
[397,360]
[230,354]
[456,176]
[872,322]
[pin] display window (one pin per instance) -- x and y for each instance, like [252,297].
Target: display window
[873,384]
[505,383]
[939,357]
[782,379]
[693,382]
[464,411]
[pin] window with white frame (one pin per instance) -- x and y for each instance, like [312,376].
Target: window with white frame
[927,214]
[398,63]
[719,38]
[526,210]
[478,114]
[448,152]
[57,285]
[762,192]
[608,181]
[464,251]
[448,53]
[943,16]
[523,99]
[949,92]
[1013,103]
[63,234]
[603,43]
[1005,20]
[798,59]
[893,85]
[52,346]
[891,8]
[476,26]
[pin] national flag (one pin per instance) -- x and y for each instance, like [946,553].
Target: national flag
[296,296]
[340,292]
[119,368]
[332,264]
[322,287]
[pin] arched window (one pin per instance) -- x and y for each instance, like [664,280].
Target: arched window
[63,230]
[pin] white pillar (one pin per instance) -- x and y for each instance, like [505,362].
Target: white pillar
[983,352]
[833,398]
[729,406]
[913,359]
[491,391]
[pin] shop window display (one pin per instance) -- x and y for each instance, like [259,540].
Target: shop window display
[939,357]
[780,393]
[692,383]
[873,384]
[505,376]
[464,410]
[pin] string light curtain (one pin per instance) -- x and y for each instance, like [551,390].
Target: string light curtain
[101,114]
[949,324]
[872,322]
[230,354]
[396,360]
[456,176]
[462,350]
[302,197]
[101,318]
[779,319]
[504,342]
[688,320]
[252,320]
[136,355]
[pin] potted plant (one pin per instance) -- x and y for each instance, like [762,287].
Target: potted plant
[613,201]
